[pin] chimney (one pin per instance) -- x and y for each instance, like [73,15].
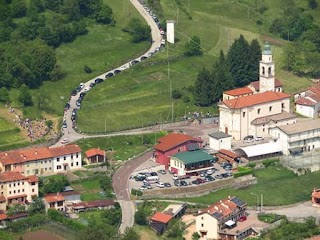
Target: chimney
[35,152]
[6,153]
[216,207]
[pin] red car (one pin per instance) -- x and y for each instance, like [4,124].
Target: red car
[200,180]
[242,219]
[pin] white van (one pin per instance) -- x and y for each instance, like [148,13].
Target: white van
[152,179]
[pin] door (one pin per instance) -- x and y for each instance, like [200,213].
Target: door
[226,130]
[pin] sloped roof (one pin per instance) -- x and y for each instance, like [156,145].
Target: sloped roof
[219,135]
[2,198]
[239,91]
[11,176]
[35,153]
[174,139]
[193,156]
[50,198]
[221,209]
[94,203]
[161,217]
[94,151]
[299,127]
[275,117]
[255,99]
[228,153]
[256,84]
[33,178]
[262,149]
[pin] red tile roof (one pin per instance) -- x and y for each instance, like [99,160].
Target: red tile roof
[3,216]
[11,176]
[306,102]
[95,203]
[35,153]
[228,153]
[33,178]
[239,91]
[174,139]
[255,99]
[256,84]
[225,207]
[161,217]
[94,151]
[50,198]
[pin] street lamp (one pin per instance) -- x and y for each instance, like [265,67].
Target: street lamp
[257,200]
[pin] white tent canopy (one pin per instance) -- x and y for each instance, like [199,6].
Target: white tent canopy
[229,223]
[261,149]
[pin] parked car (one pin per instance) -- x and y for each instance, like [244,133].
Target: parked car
[117,71]
[209,178]
[177,183]
[153,174]
[202,174]
[259,138]
[195,182]
[228,167]
[167,184]
[64,124]
[67,106]
[219,176]
[162,171]
[134,62]
[175,177]
[143,58]
[139,178]
[183,183]
[82,95]
[248,139]
[200,180]
[210,171]
[109,75]
[65,141]
[92,84]
[98,80]
[81,85]
[74,92]
[160,185]
[242,219]
[143,187]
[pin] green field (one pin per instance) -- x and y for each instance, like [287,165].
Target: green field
[141,96]
[278,185]
[10,135]
[123,147]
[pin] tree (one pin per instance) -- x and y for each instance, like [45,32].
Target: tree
[4,95]
[203,92]
[25,96]
[193,47]
[254,60]
[175,229]
[176,94]
[130,234]
[313,4]
[16,208]
[140,217]
[36,206]
[36,6]
[89,8]
[71,9]
[105,15]
[53,185]
[18,8]
[195,236]
[139,31]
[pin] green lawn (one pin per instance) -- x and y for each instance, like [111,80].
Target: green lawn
[89,189]
[278,185]
[123,147]
[10,136]
[140,96]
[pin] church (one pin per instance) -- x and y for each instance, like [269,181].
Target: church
[254,109]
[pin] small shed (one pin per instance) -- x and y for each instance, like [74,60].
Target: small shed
[220,140]
[159,222]
[95,155]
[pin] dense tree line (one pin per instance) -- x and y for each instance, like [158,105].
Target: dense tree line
[27,46]
[237,69]
[302,55]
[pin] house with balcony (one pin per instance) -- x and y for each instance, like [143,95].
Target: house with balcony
[17,188]
[304,135]
[174,143]
[218,220]
[54,201]
[188,163]
[41,160]
[308,101]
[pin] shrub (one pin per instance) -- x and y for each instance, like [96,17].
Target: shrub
[49,123]
[270,217]
[270,162]
[140,217]
[136,192]
[242,171]
[186,99]
[251,164]
[87,69]
[176,94]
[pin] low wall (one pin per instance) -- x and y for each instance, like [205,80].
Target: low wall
[199,190]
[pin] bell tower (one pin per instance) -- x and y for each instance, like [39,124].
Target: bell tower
[266,72]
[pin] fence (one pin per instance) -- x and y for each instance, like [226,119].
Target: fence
[309,160]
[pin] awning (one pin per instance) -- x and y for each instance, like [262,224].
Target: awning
[261,149]
[229,223]
[295,150]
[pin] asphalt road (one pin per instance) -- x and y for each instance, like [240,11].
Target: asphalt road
[69,132]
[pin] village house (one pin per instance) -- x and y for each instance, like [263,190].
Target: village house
[17,188]
[215,221]
[172,144]
[219,140]
[308,101]
[247,113]
[186,163]
[41,160]
[54,201]
[296,138]
[95,155]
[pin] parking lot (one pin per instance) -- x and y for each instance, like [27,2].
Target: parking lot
[155,176]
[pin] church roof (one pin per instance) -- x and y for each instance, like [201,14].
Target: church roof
[239,91]
[255,99]
[256,85]
[276,118]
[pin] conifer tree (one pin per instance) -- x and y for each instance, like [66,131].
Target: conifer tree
[203,92]
[254,59]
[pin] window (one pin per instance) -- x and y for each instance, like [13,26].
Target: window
[32,189]
[262,70]
[22,189]
[18,190]
[243,114]
[9,192]
[202,224]
[263,130]
[270,108]
[18,183]
[33,183]
[41,162]
[10,185]
[64,158]
[59,167]
[71,155]
[49,168]
[58,159]
[46,169]
[201,218]
[14,184]
[14,191]
[1,193]
[45,162]
[77,155]
[282,105]
[72,164]
[77,163]
[259,110]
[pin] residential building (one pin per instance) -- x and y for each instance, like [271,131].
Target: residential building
[186,163]
[41,160]
[54,201]
[69,196]
[251,115]
[95,155]
[213,222]
[17,188]
[315,197]
[172,144]
[303,135]
[220,140]
[308,101]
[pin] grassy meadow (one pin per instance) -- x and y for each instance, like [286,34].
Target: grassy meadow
[141,96]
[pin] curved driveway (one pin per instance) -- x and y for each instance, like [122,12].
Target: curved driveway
[69,132]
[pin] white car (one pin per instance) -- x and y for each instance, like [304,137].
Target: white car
[65,141]
[124,67]
[163,42]
[161,32]
[259,138]
[143,187]
[175,177]
[160,185]
[87,89]
[210,171]
[81,85]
